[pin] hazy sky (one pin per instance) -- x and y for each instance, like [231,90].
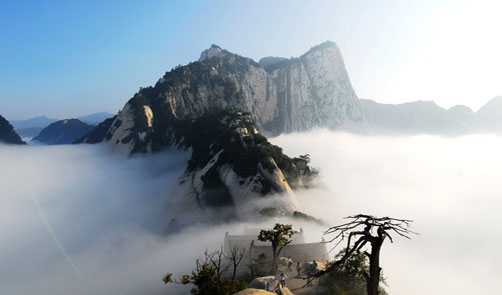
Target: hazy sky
[69,58]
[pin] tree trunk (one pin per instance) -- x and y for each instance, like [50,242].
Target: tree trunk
[374,273]
[274,259]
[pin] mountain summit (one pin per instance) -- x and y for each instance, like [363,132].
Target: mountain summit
[291,95]
[220,108]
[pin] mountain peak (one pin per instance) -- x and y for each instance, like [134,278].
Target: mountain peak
[322,46]
[213,51]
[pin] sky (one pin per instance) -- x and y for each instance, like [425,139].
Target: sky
[67,58]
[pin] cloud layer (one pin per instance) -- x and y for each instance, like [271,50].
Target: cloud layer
[80,220]
[450,187]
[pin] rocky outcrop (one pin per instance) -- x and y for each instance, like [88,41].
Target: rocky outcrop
[7,133]
[231,167]
[286,95]
[217,108]
[63,132]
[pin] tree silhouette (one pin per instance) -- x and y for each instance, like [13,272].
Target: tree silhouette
[363,230]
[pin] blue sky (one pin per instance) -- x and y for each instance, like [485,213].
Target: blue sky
[71,58]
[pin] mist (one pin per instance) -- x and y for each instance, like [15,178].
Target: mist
[81,220]
[78,219]
[450,187]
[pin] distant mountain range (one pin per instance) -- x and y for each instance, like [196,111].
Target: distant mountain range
[30,128]
[43,121]
[95,119]
[429,118]
[63,132]
[36,122]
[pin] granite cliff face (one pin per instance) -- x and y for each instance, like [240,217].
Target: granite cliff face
[7,133]
[287,95]
[217,109]
[232,167]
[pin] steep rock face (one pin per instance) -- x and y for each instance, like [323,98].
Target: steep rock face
[290,95]
[63,132]
[311,91]
[216,108]
[7,133]
[231,167]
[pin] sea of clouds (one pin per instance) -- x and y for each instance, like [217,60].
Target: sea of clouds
[450,187]
[78,219]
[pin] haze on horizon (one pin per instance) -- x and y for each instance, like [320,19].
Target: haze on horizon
[63,59]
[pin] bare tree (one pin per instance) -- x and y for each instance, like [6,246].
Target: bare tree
[216,260]
[235,257]
[210,273]
[360,231]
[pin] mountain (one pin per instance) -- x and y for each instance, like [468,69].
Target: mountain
[43,121]
[219,109]
[29,133]
[232,166]
[291,95]
[491,114]
[63,132]
[7,133]
[40,122]
[95,119]
[420,117]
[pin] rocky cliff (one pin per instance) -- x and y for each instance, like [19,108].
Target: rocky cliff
[217,109]
[7,133]
[287,95]
[232,167]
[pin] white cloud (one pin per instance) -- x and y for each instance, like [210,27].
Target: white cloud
[450,187]
[106,213]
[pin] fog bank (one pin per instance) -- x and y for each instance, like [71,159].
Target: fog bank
[450,187]
[77,219]
[80,220]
